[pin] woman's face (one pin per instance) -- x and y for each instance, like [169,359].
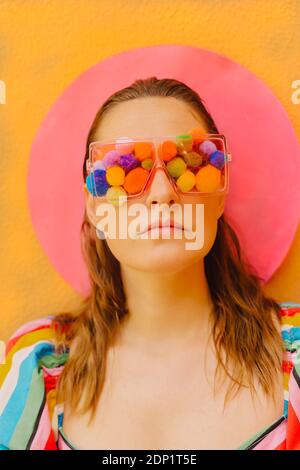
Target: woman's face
[157,116]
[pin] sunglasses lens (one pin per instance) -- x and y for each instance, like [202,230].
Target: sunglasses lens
[120,169]
[195,163]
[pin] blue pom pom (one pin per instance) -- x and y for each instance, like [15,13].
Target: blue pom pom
[96,183]
[90,184]
[217,159]
[101,182]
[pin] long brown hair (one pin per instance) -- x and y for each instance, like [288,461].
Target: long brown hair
[243,316]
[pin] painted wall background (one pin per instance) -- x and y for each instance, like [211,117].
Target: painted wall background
[45,45]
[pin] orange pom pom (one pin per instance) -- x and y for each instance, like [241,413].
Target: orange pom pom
[135,180]
[143,150]
[197,132]
[208,179]
[167,150]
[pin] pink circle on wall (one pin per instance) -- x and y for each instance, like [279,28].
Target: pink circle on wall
[263,204]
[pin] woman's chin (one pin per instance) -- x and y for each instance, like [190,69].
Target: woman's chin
[162,256]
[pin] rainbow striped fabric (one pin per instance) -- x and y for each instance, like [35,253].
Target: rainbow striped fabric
[31,418]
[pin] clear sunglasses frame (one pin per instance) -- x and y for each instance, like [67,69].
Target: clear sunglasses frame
[160,163]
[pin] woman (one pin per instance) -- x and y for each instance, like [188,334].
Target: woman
[173,348]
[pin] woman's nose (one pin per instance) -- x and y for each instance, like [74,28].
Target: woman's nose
[161,189]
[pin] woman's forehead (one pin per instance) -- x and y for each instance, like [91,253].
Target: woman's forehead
[147,117]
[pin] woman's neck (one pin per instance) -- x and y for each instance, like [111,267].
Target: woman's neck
[171,310]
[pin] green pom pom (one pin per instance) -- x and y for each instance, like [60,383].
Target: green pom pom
[147,164]
[184,137]
[184,143]
[176,167]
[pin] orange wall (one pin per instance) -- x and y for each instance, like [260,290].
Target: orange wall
[45,45]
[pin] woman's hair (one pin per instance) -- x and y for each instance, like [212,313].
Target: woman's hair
[243,328]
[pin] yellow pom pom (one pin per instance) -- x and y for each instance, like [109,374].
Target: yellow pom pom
[208,179]
[186,181]
[114,193]
[115,176]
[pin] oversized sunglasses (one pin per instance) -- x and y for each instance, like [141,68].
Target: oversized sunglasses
[195,163]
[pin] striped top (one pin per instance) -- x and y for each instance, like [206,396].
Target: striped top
[31,418]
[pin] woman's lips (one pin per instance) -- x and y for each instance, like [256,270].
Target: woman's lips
[163,227]
[163,230]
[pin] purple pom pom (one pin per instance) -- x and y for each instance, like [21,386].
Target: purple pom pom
[111,158]
[207,147]
[128,162]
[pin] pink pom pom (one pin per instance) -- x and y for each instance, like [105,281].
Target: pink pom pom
[207,147]
[111,158]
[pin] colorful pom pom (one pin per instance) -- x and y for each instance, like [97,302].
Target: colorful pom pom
[128,162]
[90,184]
[208,179]
[184,143]
[176,167]
[100,182]
[135,180]
[143,150]
[111,158]
[96,183]
[167,150]
[147,164]
[116,195]
[115,175]
[193,159]
[217,159]
[197,133]
[186,181]
[207,147]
